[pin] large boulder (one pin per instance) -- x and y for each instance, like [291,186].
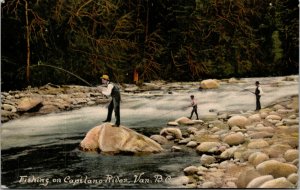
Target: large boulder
[238,120]
[28,104]
[113,140]
[209,84]
[276,169]
[281,182]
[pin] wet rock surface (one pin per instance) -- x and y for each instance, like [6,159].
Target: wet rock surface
[236,150]
[48,99]
[241,151]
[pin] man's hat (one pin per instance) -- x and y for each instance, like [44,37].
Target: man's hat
[105,77]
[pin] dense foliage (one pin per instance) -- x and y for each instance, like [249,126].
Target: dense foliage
[182,40]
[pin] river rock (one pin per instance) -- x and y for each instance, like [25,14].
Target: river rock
[184,141]
[9,107]
[27,104]
[266,129]
[234,139]
[190,170]
[257,158]
[278,106]
[281,182]
[209,84]
[207,160]
[254,118]
[296,162]
[290,121]
[223,116]
[192,144]
[263,114]
[184,121]
[107,138]
[131,89]
[293,178]
[175,132]
[243,153]
[238,120]
[273,117]
[277,150]
[149,87]
[285,111]
[260,135]
[209,185]
[176,149]
[233,80]
[276,169]
[246,176]
[291,155]
[48,109]
[259,143]
[209,147]
[292,116]
[170,137]
[228,153]
[192,130]
[173,123]
[256,182]
[7,115]
[159,139]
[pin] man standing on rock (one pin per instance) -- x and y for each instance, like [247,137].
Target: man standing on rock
[113,91]
[194,105]
[258,92]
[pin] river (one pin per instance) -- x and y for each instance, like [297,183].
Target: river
[42,151]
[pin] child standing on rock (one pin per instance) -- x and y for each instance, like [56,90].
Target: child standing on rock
[194,105]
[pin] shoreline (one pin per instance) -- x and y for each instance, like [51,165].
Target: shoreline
[52,98]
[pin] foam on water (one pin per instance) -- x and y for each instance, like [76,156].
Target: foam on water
[136,110]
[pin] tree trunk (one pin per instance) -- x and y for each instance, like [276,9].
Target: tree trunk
[27,42]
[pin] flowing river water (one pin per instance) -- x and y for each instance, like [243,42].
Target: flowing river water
[42,151]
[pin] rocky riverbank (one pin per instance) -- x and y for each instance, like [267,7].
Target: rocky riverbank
[236,148]
[48,99]
[52,98]
[249,150]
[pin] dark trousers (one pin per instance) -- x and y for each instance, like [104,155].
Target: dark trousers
[258,107]
[194,111]
[114,105]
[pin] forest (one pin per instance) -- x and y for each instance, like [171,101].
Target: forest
[171,40]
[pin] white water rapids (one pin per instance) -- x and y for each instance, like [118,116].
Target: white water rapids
[147,110]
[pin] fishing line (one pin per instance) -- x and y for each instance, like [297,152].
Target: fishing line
[61,69]
[243,89]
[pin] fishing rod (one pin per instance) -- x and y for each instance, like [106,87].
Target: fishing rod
[61,69]
[243,89]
